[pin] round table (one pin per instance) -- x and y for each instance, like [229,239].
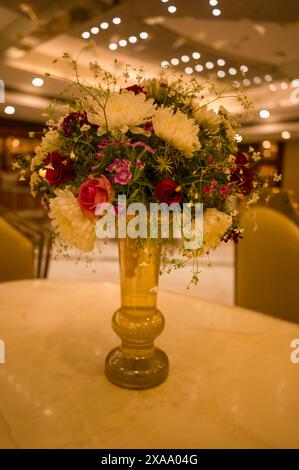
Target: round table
[231,384]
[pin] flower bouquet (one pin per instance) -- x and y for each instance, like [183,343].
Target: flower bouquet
[150,142]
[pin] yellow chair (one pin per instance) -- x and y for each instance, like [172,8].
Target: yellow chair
[16,254]
[25,245]
[267,264]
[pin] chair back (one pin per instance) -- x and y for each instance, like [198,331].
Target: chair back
[16,254]
[267,264]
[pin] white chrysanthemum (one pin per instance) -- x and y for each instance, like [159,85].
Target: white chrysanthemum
[68,220]
[123,111]
[50,142]
[207,118]
[215,224]
[177,130]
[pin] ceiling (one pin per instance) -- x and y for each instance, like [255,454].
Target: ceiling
[261,35]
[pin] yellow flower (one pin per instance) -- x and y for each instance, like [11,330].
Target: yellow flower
[122,111]
[177,130]
[215,224]
[68,220]
[207,118]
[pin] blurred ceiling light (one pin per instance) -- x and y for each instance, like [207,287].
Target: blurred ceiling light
[85,35]
[284,85]
[95,30]
[14,53]
[104,25]
[286,135]
[116,20]
[232,71]
[133,39]
[266,144]
[123,42]
[216,12]
[221,73]
[15,143]
[257,80]
[238,138]
[264,114]
[198,68]
[154,20]
[196,55]
[172,9]
[221,62]
[268,78]
[210,65]
[295,83]
[9,110]
[113,46]
[213,3]
[38,82]
[164,1]
[246,82]
[143,35]
[164,64]
[185,58]
[272,87]
[188,70]
[175,61]
[244,68]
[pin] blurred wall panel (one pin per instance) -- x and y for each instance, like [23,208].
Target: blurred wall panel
[291,167]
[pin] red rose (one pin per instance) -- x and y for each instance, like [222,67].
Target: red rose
[167,191]
[92,192]
[59,168]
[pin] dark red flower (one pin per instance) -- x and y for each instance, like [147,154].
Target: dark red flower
[232,234]
[72,122]
[136,89]
[168,191]
[148,126]
[59,168]
[243,174]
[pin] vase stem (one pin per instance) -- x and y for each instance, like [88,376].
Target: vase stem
[137,363]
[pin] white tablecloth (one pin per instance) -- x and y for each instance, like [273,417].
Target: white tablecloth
[231,381]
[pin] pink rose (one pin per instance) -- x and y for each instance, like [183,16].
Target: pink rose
[92,192]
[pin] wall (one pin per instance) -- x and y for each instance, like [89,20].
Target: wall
[291,167]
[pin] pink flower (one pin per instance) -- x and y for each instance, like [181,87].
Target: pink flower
[119,164]
[100,155]
[139,144]
[92,192]
[139,164]
[122,171]
[224,191]
[123,176]
[103,144]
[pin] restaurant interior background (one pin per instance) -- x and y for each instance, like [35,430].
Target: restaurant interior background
[254,43]
[233,378]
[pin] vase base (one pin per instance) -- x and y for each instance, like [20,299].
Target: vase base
[136,372]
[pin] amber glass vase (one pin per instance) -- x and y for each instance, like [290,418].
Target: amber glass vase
[137,363]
